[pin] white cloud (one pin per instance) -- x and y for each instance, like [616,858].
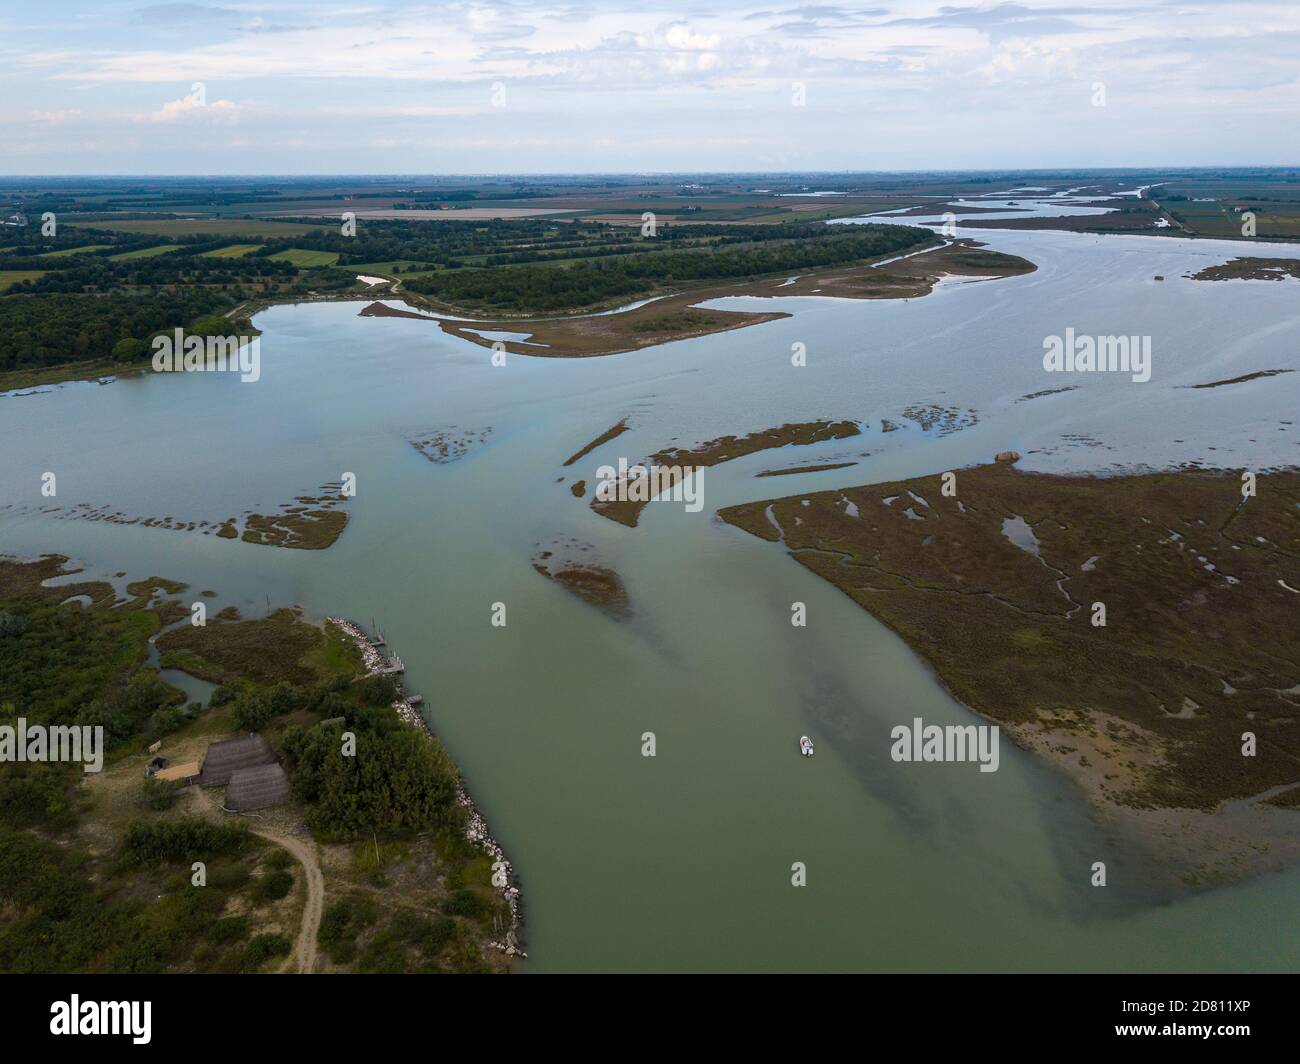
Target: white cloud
[680,35]
[881,77]
[189,109]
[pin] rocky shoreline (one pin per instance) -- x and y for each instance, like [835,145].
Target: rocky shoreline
[476,828]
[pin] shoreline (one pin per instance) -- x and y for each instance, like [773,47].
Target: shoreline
[607,328]
[476,828]
[1001,643]
[16,381]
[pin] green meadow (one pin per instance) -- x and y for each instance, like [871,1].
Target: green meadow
[144,253]
[87,249]
[234,251]
[8,278]
[306,259]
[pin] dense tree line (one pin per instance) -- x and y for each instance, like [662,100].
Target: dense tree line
[184,839]
[399,781]
[521,240]
[99,274]
[87,306]
[539,288]
[50,330]
[28,244]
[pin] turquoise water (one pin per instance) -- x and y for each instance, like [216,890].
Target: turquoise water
[683,861]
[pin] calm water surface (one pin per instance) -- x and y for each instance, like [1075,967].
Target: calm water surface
[683,861]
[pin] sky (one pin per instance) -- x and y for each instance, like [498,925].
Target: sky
[630,86]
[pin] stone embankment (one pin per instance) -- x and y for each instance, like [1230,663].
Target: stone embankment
[476,826]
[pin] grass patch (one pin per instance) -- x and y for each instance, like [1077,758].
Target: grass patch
[65,252]
[681,321]
[312,530]
[234,251]
[307,259]
[144,253]
[9,278]
[265,651]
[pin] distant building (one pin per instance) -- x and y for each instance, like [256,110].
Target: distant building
[16,219]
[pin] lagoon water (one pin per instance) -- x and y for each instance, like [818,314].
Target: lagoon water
[683,861]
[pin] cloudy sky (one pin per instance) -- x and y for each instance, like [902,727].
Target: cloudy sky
[100,86]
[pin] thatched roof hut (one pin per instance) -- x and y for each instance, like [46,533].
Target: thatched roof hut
[258,787]
[229,755]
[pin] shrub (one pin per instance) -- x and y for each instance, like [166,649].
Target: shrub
[279,858]
[224,695]
[436,934]
[228,929]
[256,709]
[378,690]
[342,922]
[344,952]
[274,885]
[186,839]
[37,794]
[253,712]
[168,719]
[11,624]
[159,796]
[263,948]
[227,874]
[467,903]
[129,350]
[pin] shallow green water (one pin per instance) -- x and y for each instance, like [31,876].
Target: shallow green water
[683,861]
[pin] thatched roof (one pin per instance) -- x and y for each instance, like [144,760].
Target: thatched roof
[256,788]
[231,754]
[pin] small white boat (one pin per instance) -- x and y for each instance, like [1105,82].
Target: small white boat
[805,746]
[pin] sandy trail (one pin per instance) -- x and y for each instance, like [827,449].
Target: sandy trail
[304,951]
[303,957]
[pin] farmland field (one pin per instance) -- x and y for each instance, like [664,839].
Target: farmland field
[307,259]
[9,278]
[252,227]
[1214,205]
[234,251]
[75,251]
[144,253]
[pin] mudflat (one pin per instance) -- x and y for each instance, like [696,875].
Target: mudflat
[1138,631]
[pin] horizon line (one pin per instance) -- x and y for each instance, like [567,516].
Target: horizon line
[668,173]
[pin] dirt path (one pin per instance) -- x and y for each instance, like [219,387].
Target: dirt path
[304,950]
[303,958]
